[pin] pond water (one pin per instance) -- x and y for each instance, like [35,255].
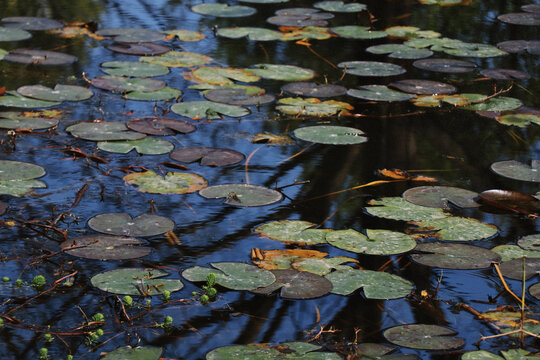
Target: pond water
[453,145]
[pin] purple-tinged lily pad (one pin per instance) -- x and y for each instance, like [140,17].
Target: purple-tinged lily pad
[123,224]
[422,336]
[525,18]
[534,8]
[208,156]
[519,46]
[160,126]
[455,256]
[122,84]
[441,196]
[103,131]
[505,74]
[513,269]
[423,87]
[59,93]
[242,194]
[297,285]
[371,68]
[39,57]
[31,23]
[517,170]
[237,97]
[445,65]
[223,10]
[131,35]
[140,48]
[300,17]
[105,247]
[310,89]
[135,281]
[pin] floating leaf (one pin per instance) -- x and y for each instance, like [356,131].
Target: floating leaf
[282,72]
[339,6]
[440,196]
[366,351]
[242,194]
[512,354]
[454,256]
[123,224]
[10,34]
[456,228]
[220,76]
[445,65]
[320,266]
[172,183]
[398,208]
[313,107]
[423,87]
[410,32]
[105,247]
[17,178]
[135,281]
[223,10]
[505,74]
[526,18]
[534,290]
[297,285]
[141,48]
[305,33]
[530,242]
[519,120]
[145,146]
[122,84]
[511,200]
[399,51]
[232,275]
[282,259]
[185,35]
[133,68]
[300,17]
[357,32]
[371,68]
[14,99]
[379,93]
[292,350]
[253,33]
[59,93]
[208,156]
[518,171]
[237,97]
[422,336]
[482,103]
[511,252]
[208,110]
[311,89]
[103,131]
[163,94]
[272,139]
[39,57]
[292,232]
[513,269]
[31,23]
[519,46]
[332,135]
[160,126]
[137,353]
[377,242]
[177,59]
[3,53]
[131,35]
[375,284]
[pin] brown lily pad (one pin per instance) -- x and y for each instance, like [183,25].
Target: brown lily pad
[105,247]
[505,74]
[297,285]
[208,156]
[140,48]
[511,200]
[513,269]
[311,89]
[160,126]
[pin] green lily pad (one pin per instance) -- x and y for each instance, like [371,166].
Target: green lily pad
[500,103]
[252,33]
[31,23]
[103,131]
[477,50]
[518,171]
[525,18]
[305,33]
[452,66]
[122,84]
[242,194]
[513,269]
[311,89]
[237,97]
[455,256]
[530,242]
[377,242]
[322,266]
[339,6]
[123,224]
[358,32]
[133,68]
[332,135]
[131,35]
[534,290]
[379,93]
[140,48]
[135,281]
[163,94]
[292,232]
[519,120]
[421,336]
[375,284]
[185,35]
[20,187]
[368,351]
[282,72]
[160,126]
[371,68]
[3,53]
[410,32]
[398,208]
[10,34]
[17,178]
[223,10]
[232,275]
[441,196]
[137,353]
[249,89]
[297,285]
[59,93]
[399,51]
[171,183]
[177,59]
[284,351]
[313,107]
[16,120]
[457,228]
[39,57]
[105,247]
[511,252]
[221,76]
[14,99]
[208,156]
[423,87]
[512,354]
[208,110]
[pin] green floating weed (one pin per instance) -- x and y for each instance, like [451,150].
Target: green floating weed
[38,281]
[208,292]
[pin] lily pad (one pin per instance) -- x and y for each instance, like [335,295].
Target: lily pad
[520,46]
[367,351]
[123,224]
[252,33]
[513,269]
[311,89]
[103,131]
[137,353]
[17,178]
[371,68]
[482,103]
[511,252]
[340,6]
[208,110]
[525,18]
[163,94]
[457,228]
[105,247]
[135,281]
[145,146]
[534,290]
[519,120]
[232,275]
[410,32]
[375,284]
[59,93]
[123,84]
[16,120]
[423,87]
[208,156]
[297,285]
[518,171]
[171,183]
[282,72]
[379,93]
[358,32]
[332,135]
[512,354]
[220,76]
[237,97]
[530,242]
[177,59]
[31,23]
[377,242]
[445,65]
[313,107]
[39,57]
[131,35]
[441,196]
[300,17]
[271,139]
[511,200]
[422,336]
[505,74]
[223,10]
[292,232]
[10,34]
[242,194]
[398,208]
[14,99]
[184,35]
[133,68]
[399,51]
[160,126]
[282,259]
[291,350]
[140,48]
[455,256]
[3,53]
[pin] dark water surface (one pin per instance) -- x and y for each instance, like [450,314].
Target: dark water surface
[457,147]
